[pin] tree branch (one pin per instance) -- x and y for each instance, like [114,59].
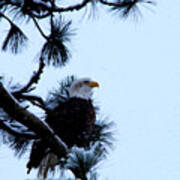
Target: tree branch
[13,132]
[57,9]
[50,9]
[7,18]
[33,99]
[123,3]
[71,8]
[39,28]
[34,80]
[9,104]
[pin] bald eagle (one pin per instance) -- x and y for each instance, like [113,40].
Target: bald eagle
[72,120]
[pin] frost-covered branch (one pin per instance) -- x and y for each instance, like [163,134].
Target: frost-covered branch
[4,126]
[10,105]
[33,99]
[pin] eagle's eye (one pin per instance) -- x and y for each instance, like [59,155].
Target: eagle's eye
[86,81]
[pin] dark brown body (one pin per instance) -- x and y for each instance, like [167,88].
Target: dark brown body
[72,121]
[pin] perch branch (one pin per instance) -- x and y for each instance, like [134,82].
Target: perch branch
[9,104]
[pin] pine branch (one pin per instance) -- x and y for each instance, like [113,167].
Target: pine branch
[41,9]
[60,94]
[124,7]
[33,10]
[55,51]
[83,162]
[55,8]
[124,3]
[15,38]
[13,109]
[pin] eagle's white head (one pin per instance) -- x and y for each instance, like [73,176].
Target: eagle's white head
[82,88]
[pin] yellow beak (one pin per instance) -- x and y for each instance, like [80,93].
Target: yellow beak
[93,84]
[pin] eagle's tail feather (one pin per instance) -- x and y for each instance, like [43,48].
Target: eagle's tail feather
[47,164]
[38,151]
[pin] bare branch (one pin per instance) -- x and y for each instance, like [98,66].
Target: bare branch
[39,28]
[34,80]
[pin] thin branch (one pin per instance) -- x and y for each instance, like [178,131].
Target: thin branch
[118,4]
[76,7]
[57,9]
[35,100]
[34,80]
[53,9]
[71,8]
[26,118]
[122,3]
[7,18]
[39,28]
[52,16]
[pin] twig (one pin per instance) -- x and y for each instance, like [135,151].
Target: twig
[34,80]
[71,8]
[123,3]
[7,18]
[53,9]
[39,28]
[35,100]
[117,4]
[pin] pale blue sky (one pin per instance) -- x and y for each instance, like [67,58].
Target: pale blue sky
[138,67]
